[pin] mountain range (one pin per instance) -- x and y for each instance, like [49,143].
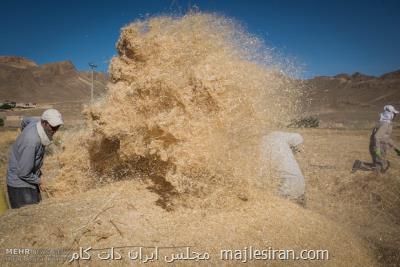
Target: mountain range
[22,80]
[343,99]
[348,99]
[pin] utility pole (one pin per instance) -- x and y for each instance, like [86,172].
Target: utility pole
[92,66]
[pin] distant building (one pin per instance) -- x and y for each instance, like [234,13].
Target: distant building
[25,105]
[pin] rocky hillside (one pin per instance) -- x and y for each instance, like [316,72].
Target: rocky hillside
[352,98]
[22,80]
[17,62]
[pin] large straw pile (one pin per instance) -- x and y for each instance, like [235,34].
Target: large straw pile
[189,101]
[123,214]
[176,141]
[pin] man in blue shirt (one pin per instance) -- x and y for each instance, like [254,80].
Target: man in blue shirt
[26,158]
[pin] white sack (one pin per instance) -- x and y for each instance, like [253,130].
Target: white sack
[277,154]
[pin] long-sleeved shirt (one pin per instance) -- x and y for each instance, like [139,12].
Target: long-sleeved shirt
[26,157]
[28,120]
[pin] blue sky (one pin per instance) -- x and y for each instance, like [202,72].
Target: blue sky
[323,37]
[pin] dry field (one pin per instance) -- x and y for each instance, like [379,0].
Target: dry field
[354,216]
[366,203]
[171,158]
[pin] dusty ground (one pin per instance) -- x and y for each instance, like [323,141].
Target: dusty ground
[366,203]
[71,112]
[7,137]
[355,216]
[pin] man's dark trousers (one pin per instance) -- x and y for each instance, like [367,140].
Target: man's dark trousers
[22,196]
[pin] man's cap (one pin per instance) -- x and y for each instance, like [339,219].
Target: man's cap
[53,117]
[390,108]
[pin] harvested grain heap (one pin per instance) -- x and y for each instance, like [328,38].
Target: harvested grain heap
[189,101]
